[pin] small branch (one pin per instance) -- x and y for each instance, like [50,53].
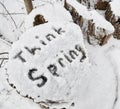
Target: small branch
[8,14]
[28,5]
[1,63]
[12,13]
[3,53]
[5,39]
[4,58]
[7,43]
[21,24]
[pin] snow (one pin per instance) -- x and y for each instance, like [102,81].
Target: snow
[115,62]
[51,12]
[96,80]
[99,80]
[92,15]
[81,9]
[100,21]
[9,98]
[7,27]
[115,7]
[44,57]
[11,26]
[91,3]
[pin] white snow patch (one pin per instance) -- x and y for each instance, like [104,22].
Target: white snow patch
[51,12]
[98,19]
[115,7]
[54,51]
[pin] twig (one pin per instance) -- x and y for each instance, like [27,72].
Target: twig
[4,58]
[5,39]
[3,53]
[6,42]
[8,13]
[13,13]
[21,24]
[1,63]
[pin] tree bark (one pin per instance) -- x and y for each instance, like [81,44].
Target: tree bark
[28,5]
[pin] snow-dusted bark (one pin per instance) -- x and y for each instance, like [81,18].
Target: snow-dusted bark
[51,12]
[97,4]
[28,5]
[94,26]
[112,14]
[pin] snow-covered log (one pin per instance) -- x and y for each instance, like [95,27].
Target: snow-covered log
[112,14]
[96,4]
[93,25]
[46,62]
[50,12]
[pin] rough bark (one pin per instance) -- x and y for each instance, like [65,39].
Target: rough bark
[89,29]
[28,5]
[114,20]
[39,19]
[101,5]
[97,4]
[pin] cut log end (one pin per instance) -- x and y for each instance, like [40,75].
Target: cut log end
[39,19]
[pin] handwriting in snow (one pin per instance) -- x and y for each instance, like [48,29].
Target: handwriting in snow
[53,67]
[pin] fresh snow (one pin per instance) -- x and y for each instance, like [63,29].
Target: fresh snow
[99,78]
[51,12]
[51,50]
[11,25]
[98,19]
[91,3]
[115,7]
